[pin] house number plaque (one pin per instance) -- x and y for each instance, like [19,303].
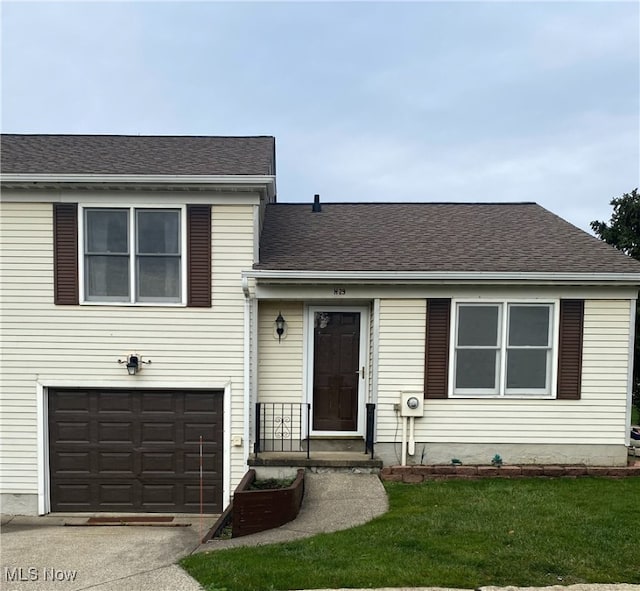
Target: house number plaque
[339,291]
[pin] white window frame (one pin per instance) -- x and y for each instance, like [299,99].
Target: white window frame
[502,391]
[132,255]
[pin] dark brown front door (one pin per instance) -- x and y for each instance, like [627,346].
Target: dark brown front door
[135,450]
[336,366]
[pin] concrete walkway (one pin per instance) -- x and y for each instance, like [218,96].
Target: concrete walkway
[332,501]
[42,554]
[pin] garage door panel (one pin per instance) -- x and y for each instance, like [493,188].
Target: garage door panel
[72,432]
[116,463]
[160,494]
[71,401]
[115,402]
[193,431]
[158,463]
[134,450]
[74,463]
[193,403]
[159,404]
[72,496]
[116,495]
[161,432]
[192,463]
[115,432]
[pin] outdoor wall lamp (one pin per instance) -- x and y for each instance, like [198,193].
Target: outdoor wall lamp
[280,326]
[133,363]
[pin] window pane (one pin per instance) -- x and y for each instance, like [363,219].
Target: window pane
[529,325]
[158,232]
[476,368]
[106,231]
[159,278]
[527,368]
[107,277]
[478,325]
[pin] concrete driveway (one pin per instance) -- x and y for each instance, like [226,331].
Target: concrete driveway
[41,553]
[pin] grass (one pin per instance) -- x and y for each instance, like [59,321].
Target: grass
[456,534]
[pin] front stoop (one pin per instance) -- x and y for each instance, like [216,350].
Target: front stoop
[319,461]
[354,445]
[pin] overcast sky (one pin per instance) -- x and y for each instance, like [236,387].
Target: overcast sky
[416,101]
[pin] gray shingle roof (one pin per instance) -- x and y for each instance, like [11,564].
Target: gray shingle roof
[494,237]
[144,155]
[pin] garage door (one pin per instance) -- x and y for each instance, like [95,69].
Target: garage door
[135,450]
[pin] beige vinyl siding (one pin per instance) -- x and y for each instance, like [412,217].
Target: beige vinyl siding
[401,358]
[605,361]
[599,417]
[280,369]
[192,347]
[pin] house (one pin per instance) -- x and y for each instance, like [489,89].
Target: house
[162,311]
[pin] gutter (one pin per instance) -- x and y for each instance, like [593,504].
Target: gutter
[246,368]
[268,182]
[283,276]
[245,286]
[12,177]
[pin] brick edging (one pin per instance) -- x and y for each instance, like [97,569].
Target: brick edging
[420,473]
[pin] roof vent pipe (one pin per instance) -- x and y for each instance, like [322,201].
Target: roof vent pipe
[316,204]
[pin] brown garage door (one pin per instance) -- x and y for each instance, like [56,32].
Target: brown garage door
[135,450]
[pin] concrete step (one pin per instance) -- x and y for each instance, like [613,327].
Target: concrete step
[346,444]
[318,461]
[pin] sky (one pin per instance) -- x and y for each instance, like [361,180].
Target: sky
[368,101]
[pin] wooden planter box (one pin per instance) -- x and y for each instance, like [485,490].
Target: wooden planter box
[258,510]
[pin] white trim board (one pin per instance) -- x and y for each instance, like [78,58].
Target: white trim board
[333,293]
[96,196]
[440,276]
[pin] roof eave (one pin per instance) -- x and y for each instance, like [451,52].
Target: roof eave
[251,182]
[435,277]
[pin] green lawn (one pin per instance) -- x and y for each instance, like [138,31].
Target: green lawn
[457,534]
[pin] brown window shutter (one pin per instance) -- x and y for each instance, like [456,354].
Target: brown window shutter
[199,256]
[436,366]
[65,254]
[570,349]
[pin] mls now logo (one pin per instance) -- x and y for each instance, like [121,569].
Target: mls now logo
[13,575]
[21,574]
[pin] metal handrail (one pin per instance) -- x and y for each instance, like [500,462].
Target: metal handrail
[371,421]
[279,424]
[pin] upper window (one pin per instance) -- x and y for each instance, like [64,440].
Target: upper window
[133,255]
[503,349]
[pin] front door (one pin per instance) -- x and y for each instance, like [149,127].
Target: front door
[337,370]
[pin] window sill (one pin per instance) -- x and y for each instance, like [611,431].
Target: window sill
[502,396]
[136,304]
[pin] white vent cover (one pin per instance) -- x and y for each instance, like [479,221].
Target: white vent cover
[412,404]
